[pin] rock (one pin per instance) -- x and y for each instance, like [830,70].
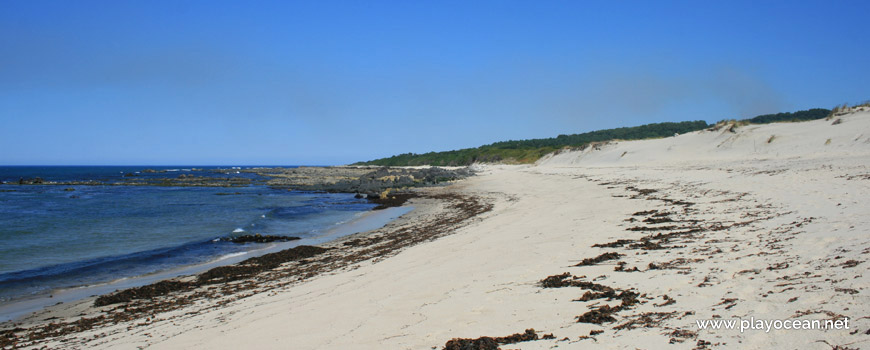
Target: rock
[33,181]
[258,238]
[394,200]
[69,189]
[361,180]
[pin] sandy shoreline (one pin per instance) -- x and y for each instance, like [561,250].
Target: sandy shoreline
[433,215]
[768,222]
[19,310]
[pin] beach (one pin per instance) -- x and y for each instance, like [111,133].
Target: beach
[625,244]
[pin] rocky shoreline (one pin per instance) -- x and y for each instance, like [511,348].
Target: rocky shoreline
[369,181]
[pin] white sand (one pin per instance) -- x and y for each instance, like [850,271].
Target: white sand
[483,280]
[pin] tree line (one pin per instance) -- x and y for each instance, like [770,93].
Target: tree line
[529,151]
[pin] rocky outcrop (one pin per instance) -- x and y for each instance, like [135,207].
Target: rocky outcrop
[366,180]
[258,238]
[33,181]
[370,181]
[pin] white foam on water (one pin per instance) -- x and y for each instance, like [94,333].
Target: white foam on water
[239,229]
[233,255]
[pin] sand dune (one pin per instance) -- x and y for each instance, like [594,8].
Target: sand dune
[819,138]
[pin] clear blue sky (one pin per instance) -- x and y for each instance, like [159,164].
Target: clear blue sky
[325,82]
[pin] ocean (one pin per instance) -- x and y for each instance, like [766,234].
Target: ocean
[61,237]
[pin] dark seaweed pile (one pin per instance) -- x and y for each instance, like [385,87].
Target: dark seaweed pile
[220,274]
[490,343]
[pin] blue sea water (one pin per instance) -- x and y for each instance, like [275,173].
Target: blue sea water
[53,238]
[11,174]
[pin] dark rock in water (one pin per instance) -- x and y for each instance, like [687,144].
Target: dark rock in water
[69,189]
[149,171]
[33,181]
[358,196]
[258,238]
[130,175]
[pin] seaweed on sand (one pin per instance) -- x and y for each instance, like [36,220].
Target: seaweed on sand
[615,244]
[490,343]
[600,258]
[245,269]
[567,280]
[392,200]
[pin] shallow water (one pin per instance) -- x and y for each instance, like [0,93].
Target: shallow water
[52,238]
[362,222]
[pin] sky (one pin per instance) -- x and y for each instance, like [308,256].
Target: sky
[324,82]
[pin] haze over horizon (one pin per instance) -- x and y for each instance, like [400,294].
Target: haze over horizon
[334,82]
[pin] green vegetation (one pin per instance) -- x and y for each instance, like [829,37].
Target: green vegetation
[799,116]
[810,114]
[529,151]
[483,154]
